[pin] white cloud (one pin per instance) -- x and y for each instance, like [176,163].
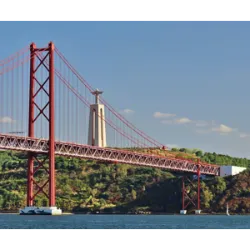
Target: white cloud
[128,111]
[163,115]
[182,120]
[244,135]
[6,119]
[203,127]
[223,129]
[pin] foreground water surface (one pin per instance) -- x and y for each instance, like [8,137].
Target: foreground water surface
[14,221]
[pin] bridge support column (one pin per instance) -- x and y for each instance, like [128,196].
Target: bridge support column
[183,211]
[45,58]
[187,187]
[198,210]
[31,129]
[52,188]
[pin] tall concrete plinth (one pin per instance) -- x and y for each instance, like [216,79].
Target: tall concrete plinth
[97,128]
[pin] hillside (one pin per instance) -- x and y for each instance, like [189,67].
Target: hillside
[194,154]
[89,186]
[167,153]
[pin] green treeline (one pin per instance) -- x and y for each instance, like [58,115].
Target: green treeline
[214,158]
[90,186]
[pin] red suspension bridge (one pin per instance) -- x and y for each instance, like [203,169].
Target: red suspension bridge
[44,109]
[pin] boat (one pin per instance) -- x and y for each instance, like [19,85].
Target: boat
[227,212]
[40,211]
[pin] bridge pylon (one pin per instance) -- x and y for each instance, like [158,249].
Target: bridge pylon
[187,187]
[41,58]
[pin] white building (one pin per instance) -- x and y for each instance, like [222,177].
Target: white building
[230,170]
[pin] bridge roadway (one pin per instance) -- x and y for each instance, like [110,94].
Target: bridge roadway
[19,143]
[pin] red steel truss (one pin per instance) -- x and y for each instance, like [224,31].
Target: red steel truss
[32,157]
[42,146]
[186,198]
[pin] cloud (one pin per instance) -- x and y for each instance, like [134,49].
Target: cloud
[128,111]
[223,129]
[183,120]
[6,119]
[203,127]
[163,115]
[244,135]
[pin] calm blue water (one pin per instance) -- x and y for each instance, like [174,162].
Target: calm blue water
[12,221]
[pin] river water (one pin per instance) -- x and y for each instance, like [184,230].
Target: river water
[14,221]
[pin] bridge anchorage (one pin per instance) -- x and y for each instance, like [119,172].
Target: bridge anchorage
[53,101]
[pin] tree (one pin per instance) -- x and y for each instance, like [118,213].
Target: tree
[199,153]
[219,185]
[133,193]
[207,197]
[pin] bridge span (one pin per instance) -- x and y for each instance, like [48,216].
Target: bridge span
[19,143]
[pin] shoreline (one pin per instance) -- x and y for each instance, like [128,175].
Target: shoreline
[173,214]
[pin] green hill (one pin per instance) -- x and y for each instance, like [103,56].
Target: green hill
[89,186]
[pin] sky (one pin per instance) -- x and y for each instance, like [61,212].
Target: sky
[186,84]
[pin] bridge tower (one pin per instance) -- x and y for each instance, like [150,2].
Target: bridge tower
[97,129]
[186,198]
[37,162]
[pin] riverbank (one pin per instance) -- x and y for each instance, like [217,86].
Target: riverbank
[152,214]
[116,213]
[129,213]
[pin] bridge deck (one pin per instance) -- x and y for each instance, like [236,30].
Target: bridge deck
[12,142]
